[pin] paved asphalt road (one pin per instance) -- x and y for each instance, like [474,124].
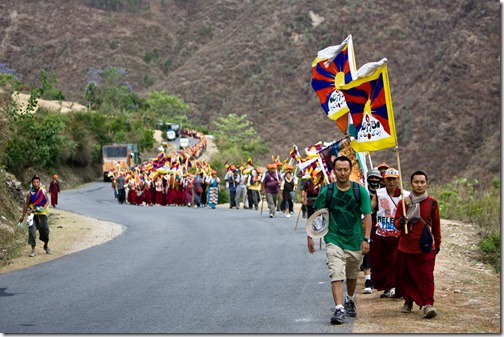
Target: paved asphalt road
[174,270]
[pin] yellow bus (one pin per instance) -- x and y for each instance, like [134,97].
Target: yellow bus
[121,156]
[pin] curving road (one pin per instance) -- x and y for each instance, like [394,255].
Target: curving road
[174,270]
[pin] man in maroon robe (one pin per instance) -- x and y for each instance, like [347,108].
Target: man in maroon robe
[415,269]
[54,189]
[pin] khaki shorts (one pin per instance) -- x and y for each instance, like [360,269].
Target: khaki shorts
[343,264]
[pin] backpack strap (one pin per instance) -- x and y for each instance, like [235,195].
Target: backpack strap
[329,194]
[356,192]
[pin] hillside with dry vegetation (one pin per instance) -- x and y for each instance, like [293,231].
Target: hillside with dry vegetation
[254,58]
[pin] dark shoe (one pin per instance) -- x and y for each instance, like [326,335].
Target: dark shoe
[350,308]
[338,316]
[368,287]
[429,311]
[407,307]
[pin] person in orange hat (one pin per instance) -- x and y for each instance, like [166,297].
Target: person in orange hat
[280,204]
[213,189]
[287,188]
[54,190]
[227,177]
[383,255]
[382,168]
[197,184]
[309,192]
[254,188]
[270,184]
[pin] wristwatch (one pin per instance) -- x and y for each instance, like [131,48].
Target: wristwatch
[367,240]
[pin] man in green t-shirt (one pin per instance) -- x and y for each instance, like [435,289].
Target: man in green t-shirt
[345,241]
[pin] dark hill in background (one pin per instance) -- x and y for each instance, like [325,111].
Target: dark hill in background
[254,57]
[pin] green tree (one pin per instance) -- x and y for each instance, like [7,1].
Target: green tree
[168,108]
[109,90]
[36,142]
[234,129]
[48,89]
[236,134]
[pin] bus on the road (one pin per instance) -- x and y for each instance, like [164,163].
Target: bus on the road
[123,155]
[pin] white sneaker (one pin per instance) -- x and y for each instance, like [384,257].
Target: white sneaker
[288,215]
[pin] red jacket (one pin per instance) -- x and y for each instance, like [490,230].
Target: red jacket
[410,243]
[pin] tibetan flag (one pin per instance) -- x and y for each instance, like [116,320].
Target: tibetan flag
[370,103]
[308,163]
[333,68]
[313,150]
[159,161]
[343,147]
[38,199]
[294,154]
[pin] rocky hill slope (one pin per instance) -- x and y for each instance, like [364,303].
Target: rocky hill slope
[254,58]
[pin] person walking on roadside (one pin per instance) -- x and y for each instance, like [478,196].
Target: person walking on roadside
[287,187]
[382,168]
[158,198]
[233,180]
[270,184]
[309,193]
[254,188]
[373,181]
[346,241]
[54,190]
[121,192]
[38,203]
[383,254]
[227,176]
[415,269]
[241,188]
[197,183]
[213,189]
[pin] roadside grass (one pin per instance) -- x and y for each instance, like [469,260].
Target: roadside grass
[465,200]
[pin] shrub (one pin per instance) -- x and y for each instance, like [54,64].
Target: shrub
[36,141]
[148,81]
[48,89]
[490,247]
[464,200]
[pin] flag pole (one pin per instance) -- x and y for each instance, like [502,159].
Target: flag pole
[402,188]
